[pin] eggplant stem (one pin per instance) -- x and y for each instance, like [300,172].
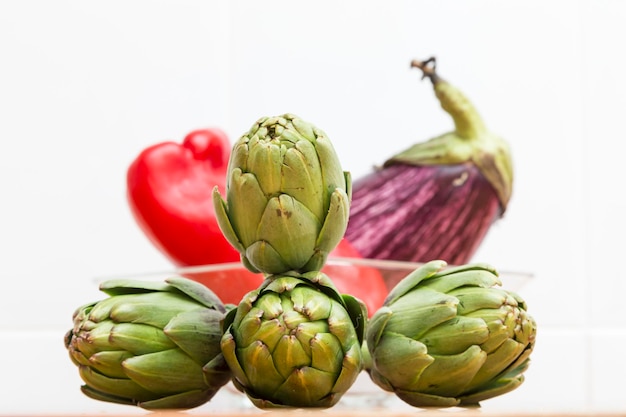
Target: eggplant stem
[428,67]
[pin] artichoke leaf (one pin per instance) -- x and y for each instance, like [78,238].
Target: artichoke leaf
[401,360]
[245,201]
[216,372]
[96,340]
[308,330]
[165,372]
[116,387]
[304,129]
[248,327]
[139,309]
[333,174]
[101,311]
[357,310]
[264,163]
[496,363]
[184,400]
[103,396]
[139,338]
[455,335]
[290,228]
[481,278]
[197,291]
[335,223]
[519,366]
[82,313]
[77,357]
[197,333]
[291,137]
[270,304]
[246,305]
[351,366]
[380,380]
[305,386]
[448,375]
[495,388]
[340,325]
[301,178]
[453,270]
[131,286]
[293,319]
[270,332]
[263,257]
[289,355]
[347,176]
[498,334]
[221,215]
[376,327]
[282,284]
[326,353]
[476,298]
[239,156]
[229,350]
[109,362]
[228,319]
[409,282]
[414,320]
[258,365]
[323,283]
[419,399]
[311,302]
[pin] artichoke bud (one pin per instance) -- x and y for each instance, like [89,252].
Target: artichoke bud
[154,345]
[295,341]
[450,336]
[287,198]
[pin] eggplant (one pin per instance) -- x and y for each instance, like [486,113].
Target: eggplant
[438,198]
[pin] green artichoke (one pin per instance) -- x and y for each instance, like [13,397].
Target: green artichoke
[295,342]
[151,344]
[287,198]
[448,337]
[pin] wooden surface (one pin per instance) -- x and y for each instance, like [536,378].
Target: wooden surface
[372,413]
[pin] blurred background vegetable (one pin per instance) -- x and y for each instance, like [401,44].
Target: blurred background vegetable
[167,193]
[438,198]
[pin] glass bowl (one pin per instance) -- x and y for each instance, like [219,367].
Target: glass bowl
[367,279]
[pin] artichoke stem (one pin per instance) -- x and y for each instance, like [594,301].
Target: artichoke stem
[467,122]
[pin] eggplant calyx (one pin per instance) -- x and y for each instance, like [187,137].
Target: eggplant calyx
[490,154]
[470,142]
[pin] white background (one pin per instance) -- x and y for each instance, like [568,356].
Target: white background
[85,86]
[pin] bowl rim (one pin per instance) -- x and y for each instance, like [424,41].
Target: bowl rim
[384,264]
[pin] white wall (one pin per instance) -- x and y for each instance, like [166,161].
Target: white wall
[84,86]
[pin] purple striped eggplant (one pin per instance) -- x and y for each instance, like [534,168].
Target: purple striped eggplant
[438,198]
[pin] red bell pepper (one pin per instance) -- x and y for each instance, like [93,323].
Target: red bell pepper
[169,187]
[169,191]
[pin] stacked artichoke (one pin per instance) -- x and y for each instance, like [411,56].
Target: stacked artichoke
[445,336]
[288,200]
[295,341]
